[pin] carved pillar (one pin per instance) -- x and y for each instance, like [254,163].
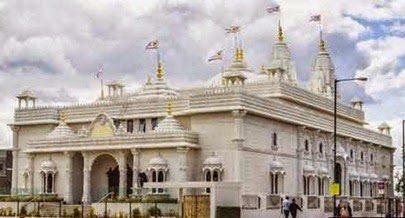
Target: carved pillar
[86,199]
[69,177]
[14,181]
[123,174]
[182,160]
[300,141]
[31,173]
[238,140]
[135,170]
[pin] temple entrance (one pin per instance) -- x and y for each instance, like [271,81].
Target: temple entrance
[104,176]
[113,175]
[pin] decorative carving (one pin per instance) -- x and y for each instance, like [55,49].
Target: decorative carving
[102,126]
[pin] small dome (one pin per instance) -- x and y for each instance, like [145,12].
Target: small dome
[354,174]
[341,152]
[212,160]
[158,89]
[373,176]
[48,165]
[384,125]
[25,94]
[157,161]
[276,165]
[323,171]
[61,131]
[355,100]
[169,124]
[308,168]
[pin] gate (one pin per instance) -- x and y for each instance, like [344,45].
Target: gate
[196,206]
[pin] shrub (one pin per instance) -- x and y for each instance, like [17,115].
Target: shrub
[76,212]
[154,211]
[136,213]
[91,212]
[23,211]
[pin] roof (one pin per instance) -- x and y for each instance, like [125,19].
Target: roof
[26,94]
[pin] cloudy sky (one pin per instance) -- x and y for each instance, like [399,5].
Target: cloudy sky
[54,48]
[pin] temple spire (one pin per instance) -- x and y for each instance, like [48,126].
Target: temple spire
[159,71]
[169,109]
[280,32]
[63,117]
[321,42]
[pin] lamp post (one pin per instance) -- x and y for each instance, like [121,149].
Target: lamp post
[403,167]
[334,133]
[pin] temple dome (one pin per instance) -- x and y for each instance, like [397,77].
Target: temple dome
[158,89]
[169,124]
[213,160]
[61,131]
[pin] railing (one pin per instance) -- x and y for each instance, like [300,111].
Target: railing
[105,196]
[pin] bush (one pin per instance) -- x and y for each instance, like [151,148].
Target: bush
[154,211]
[23,211]
[76,213]
[136,213]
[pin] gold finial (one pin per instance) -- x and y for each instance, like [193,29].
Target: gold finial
[149,80]
[159,71]
[241,54]
[236,55]
[280,33]
[169,109]
[63,117]
[322,45]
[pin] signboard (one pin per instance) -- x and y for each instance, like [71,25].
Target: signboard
[334,189]
[381,188]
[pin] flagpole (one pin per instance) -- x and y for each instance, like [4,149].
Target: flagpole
[102,89]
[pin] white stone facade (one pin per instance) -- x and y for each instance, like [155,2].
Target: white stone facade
[258,129]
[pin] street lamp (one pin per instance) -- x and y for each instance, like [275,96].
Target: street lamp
[334,134]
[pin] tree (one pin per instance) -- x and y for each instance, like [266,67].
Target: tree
[399,183]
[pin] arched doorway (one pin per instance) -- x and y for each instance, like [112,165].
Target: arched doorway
[77,178]
[338,176]
[104,176]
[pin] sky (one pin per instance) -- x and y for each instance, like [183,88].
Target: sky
[54,48]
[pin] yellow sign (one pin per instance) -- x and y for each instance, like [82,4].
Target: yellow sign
[334,189]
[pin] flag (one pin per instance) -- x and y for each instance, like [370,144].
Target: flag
[273,9]
[315,18]
[98,74]
[216,56]
[152,45]
[232,29]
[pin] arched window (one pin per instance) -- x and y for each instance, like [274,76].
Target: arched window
[320,186]
[351,153]
[304,182]
[306,144]
[275,182]
[320,148]
[158,176]
[371,157]
[274,139]
[211,175]
[48,183]
[362,156]
[361,189]
[350,187]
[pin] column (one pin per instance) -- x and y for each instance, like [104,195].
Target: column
[182,161]
[135,170]
[300,140]
[238,140]
[123,174]
[69,170]
[14,182]
[31,174]
[86,178]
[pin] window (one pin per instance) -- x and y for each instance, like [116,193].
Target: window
[117,123]
[211,176]
[361,189]
[2,169]
[320,148]
[158,176]
[361,156]
[320,186]
[274,139]
[154,123]
[351,153]
[351,187]
[142,126]
[274,180]
[130,126]
[304,179]
[371,157]
[48,183]
[306,145]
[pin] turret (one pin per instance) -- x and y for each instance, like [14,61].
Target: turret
[322,73]
[27,97]
[281,67]
[115,89]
